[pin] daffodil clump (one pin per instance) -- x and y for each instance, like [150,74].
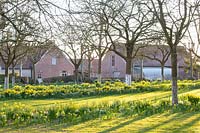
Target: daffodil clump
[91,89]
[20,114]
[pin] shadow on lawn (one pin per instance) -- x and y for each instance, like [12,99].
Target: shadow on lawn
[60,127]
[187,125]
[121,125]
[82,99]
[179,116]
[68,100]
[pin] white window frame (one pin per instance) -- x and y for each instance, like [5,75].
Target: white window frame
[53,60]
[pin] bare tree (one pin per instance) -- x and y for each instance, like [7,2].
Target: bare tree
[159,53]
[101,47]
[93,13]
[190,47]
[10,52]
[90,57]
[73,41]
[174,17]
[127,26]
[17,32]
[36,53]
[17,61]
[194,43]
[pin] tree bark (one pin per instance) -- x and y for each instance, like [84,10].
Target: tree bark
[13,76]
[82,76]
[33,74]
[162,72]
[191,65]
[174,76]
[76,74]
[141,74]
[99,69]
[89,69]
[6,79]
[21,69]
[128,71]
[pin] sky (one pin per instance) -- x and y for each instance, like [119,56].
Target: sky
[65,3]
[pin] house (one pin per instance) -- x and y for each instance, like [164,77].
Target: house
[53,64]
[113,66]
[93,68]
[22,69]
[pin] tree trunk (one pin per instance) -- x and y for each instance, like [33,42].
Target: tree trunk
[6,80]
[191,65]
[128,71]
[76,74]
[141,74]
[89,69]
[13,76]
[82,72]
[21,69]
[33,74]
[99,70]
[162,73]
[174,76]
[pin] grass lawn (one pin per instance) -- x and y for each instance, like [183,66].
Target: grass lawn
[165,122]
[89,101]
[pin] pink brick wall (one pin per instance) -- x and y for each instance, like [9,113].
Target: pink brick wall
[107,68]
[45,67]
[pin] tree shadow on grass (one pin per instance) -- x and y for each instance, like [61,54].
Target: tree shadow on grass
[123,124]
[187,125]
[146,129]
[175,117]
[58,127]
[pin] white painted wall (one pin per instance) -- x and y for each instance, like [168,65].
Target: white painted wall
[153,73]
[25,72]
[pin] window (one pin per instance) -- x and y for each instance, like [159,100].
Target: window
[39,75]
[116,74]
[53,60]
[64,73]
[113,60]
